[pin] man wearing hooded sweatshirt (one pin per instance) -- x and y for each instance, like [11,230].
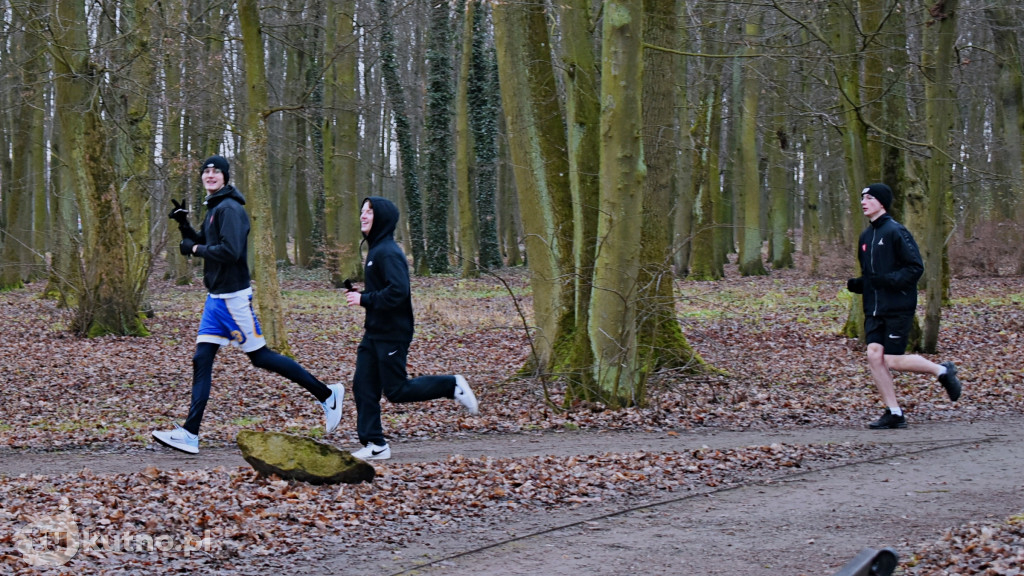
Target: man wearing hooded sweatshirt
[891,265]
[228,316]
[381,356]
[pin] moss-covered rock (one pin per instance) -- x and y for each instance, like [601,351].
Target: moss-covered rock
[299,458]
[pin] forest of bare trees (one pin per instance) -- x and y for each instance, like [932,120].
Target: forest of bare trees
[613,146]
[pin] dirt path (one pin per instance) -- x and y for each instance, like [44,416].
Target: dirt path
[945,474]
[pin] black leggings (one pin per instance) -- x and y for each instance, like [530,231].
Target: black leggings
[265,358]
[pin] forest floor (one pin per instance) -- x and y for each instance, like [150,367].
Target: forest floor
[762,467]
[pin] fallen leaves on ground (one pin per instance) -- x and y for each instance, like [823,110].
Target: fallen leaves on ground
[775,342]
[169,520]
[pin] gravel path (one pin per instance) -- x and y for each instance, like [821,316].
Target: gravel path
[943,474]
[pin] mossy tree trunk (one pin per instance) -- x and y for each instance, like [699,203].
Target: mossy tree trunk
[107,302]
[408,156]
[614,300]
[583,119]
[341,145]
[465,188]
[660,340]
[254,147]
[937,63]
[707,255]
[536,137]
[781,183]
[750,261]
[135,143]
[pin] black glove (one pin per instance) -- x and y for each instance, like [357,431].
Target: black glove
[186,246]
[855,285]
[180,212]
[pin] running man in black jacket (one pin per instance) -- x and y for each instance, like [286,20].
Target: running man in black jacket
[228,316]
[380,358]
[891,265]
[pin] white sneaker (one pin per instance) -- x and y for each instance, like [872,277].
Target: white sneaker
[332,408]
[373,452]
[179,439]
[464,395]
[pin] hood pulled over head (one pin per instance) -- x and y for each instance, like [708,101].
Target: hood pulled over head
[385,218]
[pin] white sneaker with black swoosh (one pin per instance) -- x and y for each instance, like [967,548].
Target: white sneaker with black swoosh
[464,395]
[373,452]
[332,408]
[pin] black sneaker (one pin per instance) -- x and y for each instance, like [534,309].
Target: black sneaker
[888,421]
[950,382]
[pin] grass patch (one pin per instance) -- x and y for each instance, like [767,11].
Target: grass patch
[244,421]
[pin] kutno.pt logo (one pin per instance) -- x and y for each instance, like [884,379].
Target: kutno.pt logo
[49,540]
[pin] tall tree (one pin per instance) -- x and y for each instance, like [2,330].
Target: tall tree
[659,338]
[464,185]
[582,79]
[847,59]
[484,106]
[254,145]
[750,261]
[1008,156]
[706,253]
[299,69]
[780,180]
[937,63]
[440,97]
[108,302]
[408,156]
[537,148]
[135,143]
[341,143]
[613,303]
[19,238]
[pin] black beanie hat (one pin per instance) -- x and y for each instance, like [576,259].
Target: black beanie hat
[220,163]
[880,192]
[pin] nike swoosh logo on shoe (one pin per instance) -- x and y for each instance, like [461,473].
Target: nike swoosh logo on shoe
[376,452]
[335,404]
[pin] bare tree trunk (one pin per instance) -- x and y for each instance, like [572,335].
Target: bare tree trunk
[613,304]
[847,73]
[107,303]
[583,119]
[1009,104]
[750,261]
[341,145]
[136,143]
[709,226]
[536,138]
[18,240]
[254,144]
[406,139]
[465,194]
[297,89]
[937,61]
[660,340]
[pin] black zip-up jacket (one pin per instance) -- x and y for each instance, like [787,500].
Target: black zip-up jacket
[387,297]
[222,242]
[890,265]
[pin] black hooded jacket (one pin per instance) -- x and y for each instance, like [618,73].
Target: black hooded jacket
[891,265]
[387,297]
[222,242]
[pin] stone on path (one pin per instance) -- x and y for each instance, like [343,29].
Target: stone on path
[299,458]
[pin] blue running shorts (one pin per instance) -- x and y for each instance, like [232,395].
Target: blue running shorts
[230,319]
